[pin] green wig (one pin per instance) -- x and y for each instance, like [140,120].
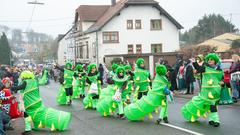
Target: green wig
[79,66]
[114,66]
[140,61]
[27,75]
[68,64]
[127,67]
[120,69]
[161,69]
[213,56]
[91,66]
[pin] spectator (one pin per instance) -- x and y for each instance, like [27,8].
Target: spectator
[180,78]
[189,77]
[235,77]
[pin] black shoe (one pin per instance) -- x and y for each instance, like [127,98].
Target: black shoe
[26,133]
[158,121]
[121,116]
[211,122]
[234,100]
[216,124]
[165,120]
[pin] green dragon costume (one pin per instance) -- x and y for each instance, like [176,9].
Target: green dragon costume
[40,115]
[44,79]
[79,87]
[130,76]
[141,80]
[207,99]
[156,97]
[94,89]
[115,95]
[65,97]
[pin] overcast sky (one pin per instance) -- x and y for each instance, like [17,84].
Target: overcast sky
[56,16]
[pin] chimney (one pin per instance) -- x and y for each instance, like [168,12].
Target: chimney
[113,2]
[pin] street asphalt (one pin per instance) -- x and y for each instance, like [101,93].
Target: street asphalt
[90,122]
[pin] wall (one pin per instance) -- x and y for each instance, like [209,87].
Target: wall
[168,36]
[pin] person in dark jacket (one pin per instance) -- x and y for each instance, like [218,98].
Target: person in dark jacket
[189,77]
[101,72]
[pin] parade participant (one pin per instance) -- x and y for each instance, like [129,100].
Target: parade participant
[198,74]
[114,97]
[141,79]
[130,86]
[79,87]
[67,83]
[209,96]
[35,111]
[155,97]
[44,79]
[93,80]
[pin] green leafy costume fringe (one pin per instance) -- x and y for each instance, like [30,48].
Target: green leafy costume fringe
[41,115]
[147,104]
[209,95]
[44,79]
[88,101]
[106,104]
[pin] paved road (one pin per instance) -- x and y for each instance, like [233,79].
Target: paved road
[91,123]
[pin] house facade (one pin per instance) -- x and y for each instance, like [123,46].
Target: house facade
[125,27]
[65,48]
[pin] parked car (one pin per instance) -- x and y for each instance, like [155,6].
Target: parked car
[226,63]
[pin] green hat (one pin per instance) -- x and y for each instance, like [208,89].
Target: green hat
[213,56]
[91,66]
[120,69]
[68,64]
[161,69]
[27,75]
[79,66]
[140,61]
[128,67]
[114,66]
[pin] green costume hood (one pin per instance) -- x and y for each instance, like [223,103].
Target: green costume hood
[213,56]
[27,75]
[79,67]
[91,66]
[161,69]
[140,61]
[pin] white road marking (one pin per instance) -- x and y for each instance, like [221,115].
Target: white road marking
[182,129]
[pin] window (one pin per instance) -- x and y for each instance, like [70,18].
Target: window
[110,37]
[156,24]
[129,24]
[138,48]
[156,48]
[138,24]
[130,49]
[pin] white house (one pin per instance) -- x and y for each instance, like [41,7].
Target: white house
[125,27]
[65,48]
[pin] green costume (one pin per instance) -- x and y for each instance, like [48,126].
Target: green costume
[130,76]
[94,89]
[206,101]
[61,97]
[156,97]
[141,79]
[114,96]
[79,87]
[44,79]
[41,115]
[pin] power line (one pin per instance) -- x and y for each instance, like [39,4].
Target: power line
[39,20]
